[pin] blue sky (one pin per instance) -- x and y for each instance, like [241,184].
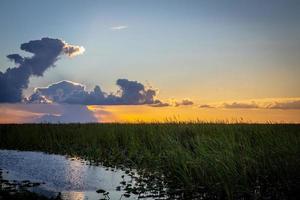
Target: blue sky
[204,50]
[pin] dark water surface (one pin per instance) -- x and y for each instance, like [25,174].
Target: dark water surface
[74,178]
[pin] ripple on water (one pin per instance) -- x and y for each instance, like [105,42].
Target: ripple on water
[73,178]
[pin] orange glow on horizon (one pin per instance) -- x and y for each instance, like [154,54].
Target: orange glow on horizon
[192,113]
[34,113]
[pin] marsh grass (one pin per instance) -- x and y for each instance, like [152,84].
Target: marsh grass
[226,160]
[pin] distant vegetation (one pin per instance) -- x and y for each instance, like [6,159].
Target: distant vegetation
[233,161]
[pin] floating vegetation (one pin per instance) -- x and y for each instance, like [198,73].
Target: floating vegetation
[15,190]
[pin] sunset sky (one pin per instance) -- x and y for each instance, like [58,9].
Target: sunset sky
[152,60]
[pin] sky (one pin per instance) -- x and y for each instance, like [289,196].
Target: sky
[207,60]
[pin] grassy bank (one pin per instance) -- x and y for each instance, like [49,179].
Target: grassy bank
[228,160]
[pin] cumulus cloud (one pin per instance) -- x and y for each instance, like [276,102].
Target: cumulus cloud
[73,50]
[58,92]
[46,52]
[130,93]
[16,58]
[133,92]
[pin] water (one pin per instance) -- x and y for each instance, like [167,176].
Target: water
[73,178]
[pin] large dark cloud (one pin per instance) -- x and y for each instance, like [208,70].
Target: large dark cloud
[16,58]
[45,53]
[134,93]
[61,92]
[130,93]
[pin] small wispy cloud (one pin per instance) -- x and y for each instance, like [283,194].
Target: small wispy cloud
[118,27]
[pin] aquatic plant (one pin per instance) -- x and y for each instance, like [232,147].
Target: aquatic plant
[219,160]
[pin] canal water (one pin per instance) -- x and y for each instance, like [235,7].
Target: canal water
[74,178]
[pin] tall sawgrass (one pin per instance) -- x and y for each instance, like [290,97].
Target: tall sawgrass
[228,159]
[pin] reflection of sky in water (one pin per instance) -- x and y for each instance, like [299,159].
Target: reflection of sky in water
[73,178]
[73,195]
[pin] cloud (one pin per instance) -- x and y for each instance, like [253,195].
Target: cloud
[69,114]
[73,50]
[184,102]
[241,105]
[174,103]
[130,93]
[118,27]
[45,53]
[60,92]
[16,58]
[160,104]
[49,113]
[293,104]
[206,106]
[284,104]
[134,93]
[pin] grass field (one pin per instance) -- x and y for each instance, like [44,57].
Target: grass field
[232,161]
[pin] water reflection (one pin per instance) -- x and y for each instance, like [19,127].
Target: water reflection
[73,195]
[74,179]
